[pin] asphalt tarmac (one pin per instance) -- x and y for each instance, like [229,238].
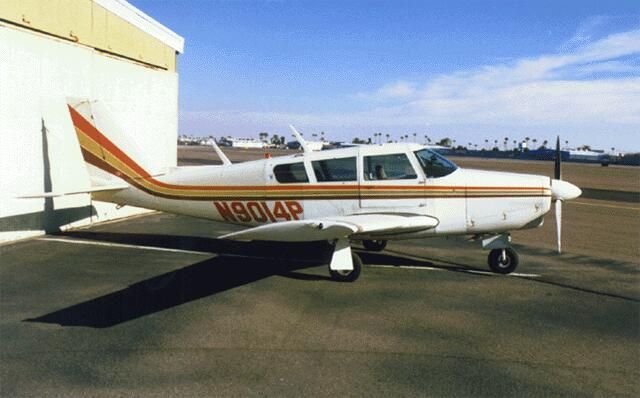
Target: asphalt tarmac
[156,306]
[140,308]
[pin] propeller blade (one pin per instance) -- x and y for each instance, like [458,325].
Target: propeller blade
[558,164]
[559,224]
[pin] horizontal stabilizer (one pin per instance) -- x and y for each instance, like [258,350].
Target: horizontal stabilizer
[88,190]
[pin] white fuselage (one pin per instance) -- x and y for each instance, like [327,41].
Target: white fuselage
[323,184]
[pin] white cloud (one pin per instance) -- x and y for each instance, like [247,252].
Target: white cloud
[393,91]
[546,95]
[612,67]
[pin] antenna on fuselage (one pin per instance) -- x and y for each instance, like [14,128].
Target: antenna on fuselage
[299,138]
[225,160]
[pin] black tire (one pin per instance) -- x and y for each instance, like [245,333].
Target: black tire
[348,276]
[374,245]
[500,267]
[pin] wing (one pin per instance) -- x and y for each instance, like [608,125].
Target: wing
[373,224]
[330,228]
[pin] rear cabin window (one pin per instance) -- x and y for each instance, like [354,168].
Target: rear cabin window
[388,167]
[290,173]
[335,169]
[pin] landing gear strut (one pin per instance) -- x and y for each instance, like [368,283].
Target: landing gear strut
[374,245]
[348,275]
[345,266]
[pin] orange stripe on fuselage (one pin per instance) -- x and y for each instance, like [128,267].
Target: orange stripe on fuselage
[408,191]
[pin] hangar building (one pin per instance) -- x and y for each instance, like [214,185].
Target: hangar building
[101,50]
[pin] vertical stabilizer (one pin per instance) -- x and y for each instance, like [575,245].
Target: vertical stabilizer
[110,155]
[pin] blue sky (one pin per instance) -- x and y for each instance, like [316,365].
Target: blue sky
[471,70]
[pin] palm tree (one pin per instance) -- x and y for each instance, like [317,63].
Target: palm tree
[414,137]
[387,135]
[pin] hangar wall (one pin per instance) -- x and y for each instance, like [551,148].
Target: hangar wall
[39,150]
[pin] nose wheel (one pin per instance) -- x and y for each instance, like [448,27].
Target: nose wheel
[503,261]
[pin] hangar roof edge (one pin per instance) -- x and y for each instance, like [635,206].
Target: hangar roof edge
[142,21]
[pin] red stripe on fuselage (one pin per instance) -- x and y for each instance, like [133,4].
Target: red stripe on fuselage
[93,133]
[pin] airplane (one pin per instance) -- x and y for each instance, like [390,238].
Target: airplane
[370,194]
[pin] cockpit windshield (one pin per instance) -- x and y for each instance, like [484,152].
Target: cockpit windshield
[434,164]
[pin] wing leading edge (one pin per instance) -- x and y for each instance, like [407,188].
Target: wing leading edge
[337,227]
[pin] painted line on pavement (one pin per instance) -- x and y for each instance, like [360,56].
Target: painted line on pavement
[603,205]
[123,245]
[489,273]
[405,267]
[470,271]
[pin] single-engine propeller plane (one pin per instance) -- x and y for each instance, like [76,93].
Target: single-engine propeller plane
[370,193]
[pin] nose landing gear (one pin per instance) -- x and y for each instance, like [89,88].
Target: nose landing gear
[502,258]
[503,261]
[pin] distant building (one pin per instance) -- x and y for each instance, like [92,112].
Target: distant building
[315,145]
[586,154]
[245,143]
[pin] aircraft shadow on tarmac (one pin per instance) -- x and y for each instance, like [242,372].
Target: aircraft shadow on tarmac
[165,291]
[230,269]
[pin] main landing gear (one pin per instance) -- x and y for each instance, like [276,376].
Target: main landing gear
[348,275]
[345,265]
[374,245]
[502,258]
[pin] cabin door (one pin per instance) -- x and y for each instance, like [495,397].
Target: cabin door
[390,181]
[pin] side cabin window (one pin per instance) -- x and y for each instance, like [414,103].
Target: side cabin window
[290,173]
[388,167]
[435,165]
[343,169]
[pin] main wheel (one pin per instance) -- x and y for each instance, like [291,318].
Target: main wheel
[503,264]
[374,245]
[348,275]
